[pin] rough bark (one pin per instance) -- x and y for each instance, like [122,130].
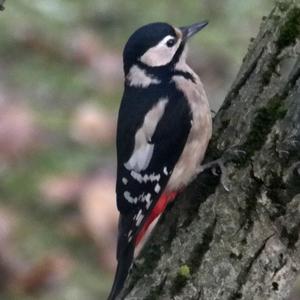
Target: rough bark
[241,244]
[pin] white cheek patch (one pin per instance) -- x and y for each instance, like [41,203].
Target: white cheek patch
[143,149]
[160,54]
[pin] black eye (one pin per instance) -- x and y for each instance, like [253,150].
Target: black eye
[171,42]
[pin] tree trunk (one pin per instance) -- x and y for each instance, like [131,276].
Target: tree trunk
[242,244]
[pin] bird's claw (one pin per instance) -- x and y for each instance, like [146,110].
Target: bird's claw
[233,155]
[213,166]
[230,155]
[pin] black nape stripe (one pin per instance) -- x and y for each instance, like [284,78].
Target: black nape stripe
[166,72]
[186,75]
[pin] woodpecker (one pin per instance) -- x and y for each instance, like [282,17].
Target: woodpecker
[164,126]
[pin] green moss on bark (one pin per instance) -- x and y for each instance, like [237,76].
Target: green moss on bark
[183,275]
[290,31]
[262,125]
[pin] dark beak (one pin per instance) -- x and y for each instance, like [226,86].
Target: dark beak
[189,31]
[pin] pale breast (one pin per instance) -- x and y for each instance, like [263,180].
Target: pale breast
[193,153]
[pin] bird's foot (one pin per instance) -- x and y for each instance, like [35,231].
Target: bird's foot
[217,168]
[233,154]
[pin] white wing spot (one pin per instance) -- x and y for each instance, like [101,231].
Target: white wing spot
[154,177]
[129,198]
[124,180]
[137,176]
[145,178]
[139,218]
[148,200]
[165,171]
[157,188]
[139,213]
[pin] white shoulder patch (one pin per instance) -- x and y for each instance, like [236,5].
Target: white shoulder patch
[139,78]
[141,158]
[143,149]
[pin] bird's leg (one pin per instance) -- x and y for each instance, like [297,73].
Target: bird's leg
[231,154]
[213,112]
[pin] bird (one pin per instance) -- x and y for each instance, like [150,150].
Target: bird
[163,130]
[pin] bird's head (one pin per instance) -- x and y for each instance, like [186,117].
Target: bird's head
[158,44]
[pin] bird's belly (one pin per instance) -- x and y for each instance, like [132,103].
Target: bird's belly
[193,153]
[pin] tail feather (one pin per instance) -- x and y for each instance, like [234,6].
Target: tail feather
[124,264]
[125,251]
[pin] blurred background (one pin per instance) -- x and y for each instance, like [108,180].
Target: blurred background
[60,87]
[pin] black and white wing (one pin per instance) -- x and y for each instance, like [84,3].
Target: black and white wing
[152,132]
